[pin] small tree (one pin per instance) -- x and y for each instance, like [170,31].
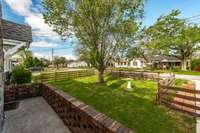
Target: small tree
[102,27]
[56,62]
[63,61]
[33,62]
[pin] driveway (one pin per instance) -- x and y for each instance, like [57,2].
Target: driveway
[179,76]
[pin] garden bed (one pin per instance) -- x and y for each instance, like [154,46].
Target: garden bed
[136,109]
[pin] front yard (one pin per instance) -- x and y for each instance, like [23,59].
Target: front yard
[136,109]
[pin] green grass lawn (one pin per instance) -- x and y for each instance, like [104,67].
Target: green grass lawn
[136,110]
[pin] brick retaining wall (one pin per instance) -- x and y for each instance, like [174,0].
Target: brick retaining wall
[77,116]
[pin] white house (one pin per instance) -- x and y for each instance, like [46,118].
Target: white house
[135,63]
[77,64]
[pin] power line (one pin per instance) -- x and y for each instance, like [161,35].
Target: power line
[192,17]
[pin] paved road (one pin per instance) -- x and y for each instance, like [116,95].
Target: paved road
[187,77]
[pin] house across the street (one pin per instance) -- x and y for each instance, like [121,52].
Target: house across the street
[77,64]
[134,63]
[167,62]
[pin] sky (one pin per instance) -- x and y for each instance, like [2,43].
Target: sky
[28,12]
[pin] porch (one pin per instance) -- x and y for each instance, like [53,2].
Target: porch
[33,115]
[41,108]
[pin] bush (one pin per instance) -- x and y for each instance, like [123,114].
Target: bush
[20,75]
[197,68]
[195,64]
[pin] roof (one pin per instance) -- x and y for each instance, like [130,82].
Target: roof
[166,59]
[16,31]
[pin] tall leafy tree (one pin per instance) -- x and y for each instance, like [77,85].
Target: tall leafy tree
[102,27]
[174,36]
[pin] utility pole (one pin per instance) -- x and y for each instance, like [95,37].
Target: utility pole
[1,72]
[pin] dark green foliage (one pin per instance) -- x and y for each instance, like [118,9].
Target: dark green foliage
[20,75]
[33,62]
[195,63]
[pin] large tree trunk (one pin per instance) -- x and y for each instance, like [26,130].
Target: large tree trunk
[184,65]
[100,76]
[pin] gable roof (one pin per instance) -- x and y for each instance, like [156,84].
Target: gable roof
[16,31]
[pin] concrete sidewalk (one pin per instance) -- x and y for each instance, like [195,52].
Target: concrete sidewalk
[179,76]
[34,116]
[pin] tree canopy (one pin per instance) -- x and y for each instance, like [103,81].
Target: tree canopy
[102,27]
[31,61]
[173,36]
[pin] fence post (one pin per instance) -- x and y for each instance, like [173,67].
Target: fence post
[77,74]
[158,90]
[197,87]
[41,78]
[142,75]
[55,76]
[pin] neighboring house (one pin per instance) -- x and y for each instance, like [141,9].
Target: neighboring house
[77,64]
[15,36]
[135,63]
[167,62]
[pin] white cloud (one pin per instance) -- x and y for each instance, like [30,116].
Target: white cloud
[39,55]
[42,55]
[33,18]
[49,56]
[21,7]
[43,44]
[44,35]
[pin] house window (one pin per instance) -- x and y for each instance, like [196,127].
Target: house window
[135,63]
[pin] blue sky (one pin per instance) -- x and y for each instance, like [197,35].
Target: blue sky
[44,39]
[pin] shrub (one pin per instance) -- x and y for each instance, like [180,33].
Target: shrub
[197,68]
[195,64]
[20,75]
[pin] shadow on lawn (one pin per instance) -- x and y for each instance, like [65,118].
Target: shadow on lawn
[135,110]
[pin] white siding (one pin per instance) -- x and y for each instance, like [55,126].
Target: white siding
[136,63]
[77,64]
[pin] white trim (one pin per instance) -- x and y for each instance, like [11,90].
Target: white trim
[16,45]
[12,42]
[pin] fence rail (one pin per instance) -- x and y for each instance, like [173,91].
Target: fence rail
[59,76]
[134,74]
[178,98]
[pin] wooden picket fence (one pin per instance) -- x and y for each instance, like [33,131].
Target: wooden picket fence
[142,75]
[182,99]
[59,76]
